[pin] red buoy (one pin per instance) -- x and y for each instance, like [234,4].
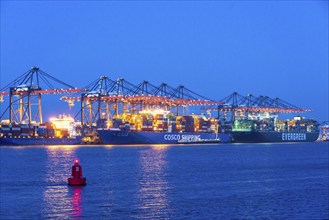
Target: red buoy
[76,178]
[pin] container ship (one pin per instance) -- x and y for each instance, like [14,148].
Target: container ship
[268,130]
[60,131]
[161,127]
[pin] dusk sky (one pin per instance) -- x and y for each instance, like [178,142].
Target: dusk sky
[278,49]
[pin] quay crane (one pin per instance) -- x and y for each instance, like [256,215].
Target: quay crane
[25,95]
[105,95]
[239,105]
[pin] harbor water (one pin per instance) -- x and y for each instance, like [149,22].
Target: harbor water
[223,181]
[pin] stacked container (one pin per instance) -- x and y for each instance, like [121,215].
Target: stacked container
[127,126]
[205,125]
[27,131]
[201,125]
[188,121]
[173,126]
[158,122]
[6,130]
[179,125]
[16,130]
[132,126]
[42,131]
[147,123]
[165,125]
[117,123]
[212,125]
[144,123]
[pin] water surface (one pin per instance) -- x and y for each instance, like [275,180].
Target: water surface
[280,181]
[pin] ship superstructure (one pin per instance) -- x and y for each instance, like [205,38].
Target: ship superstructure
[60,130]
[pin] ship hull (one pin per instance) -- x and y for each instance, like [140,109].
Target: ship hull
[271,137]
[116,137]
[40,141]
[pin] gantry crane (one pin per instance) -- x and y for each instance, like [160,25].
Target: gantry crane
[93,106]
[101,98]
[105,97]
[239,106]
[25,95]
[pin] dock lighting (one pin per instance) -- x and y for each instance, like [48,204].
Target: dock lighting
[62,122]
[154,111]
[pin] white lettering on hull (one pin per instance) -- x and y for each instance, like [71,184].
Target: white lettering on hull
[172,137]
[293,136]
[177,137]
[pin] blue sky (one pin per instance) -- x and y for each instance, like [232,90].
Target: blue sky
[278,49]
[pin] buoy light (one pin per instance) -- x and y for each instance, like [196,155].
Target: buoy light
[76,161]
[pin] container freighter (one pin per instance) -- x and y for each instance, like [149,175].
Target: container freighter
[20,141]
[270,130]
[60,131]
[256,120]
[149,127]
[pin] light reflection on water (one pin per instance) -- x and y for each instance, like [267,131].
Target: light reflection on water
[60,160]
[152,195]
[59,201]
[76,200]
[276,181]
